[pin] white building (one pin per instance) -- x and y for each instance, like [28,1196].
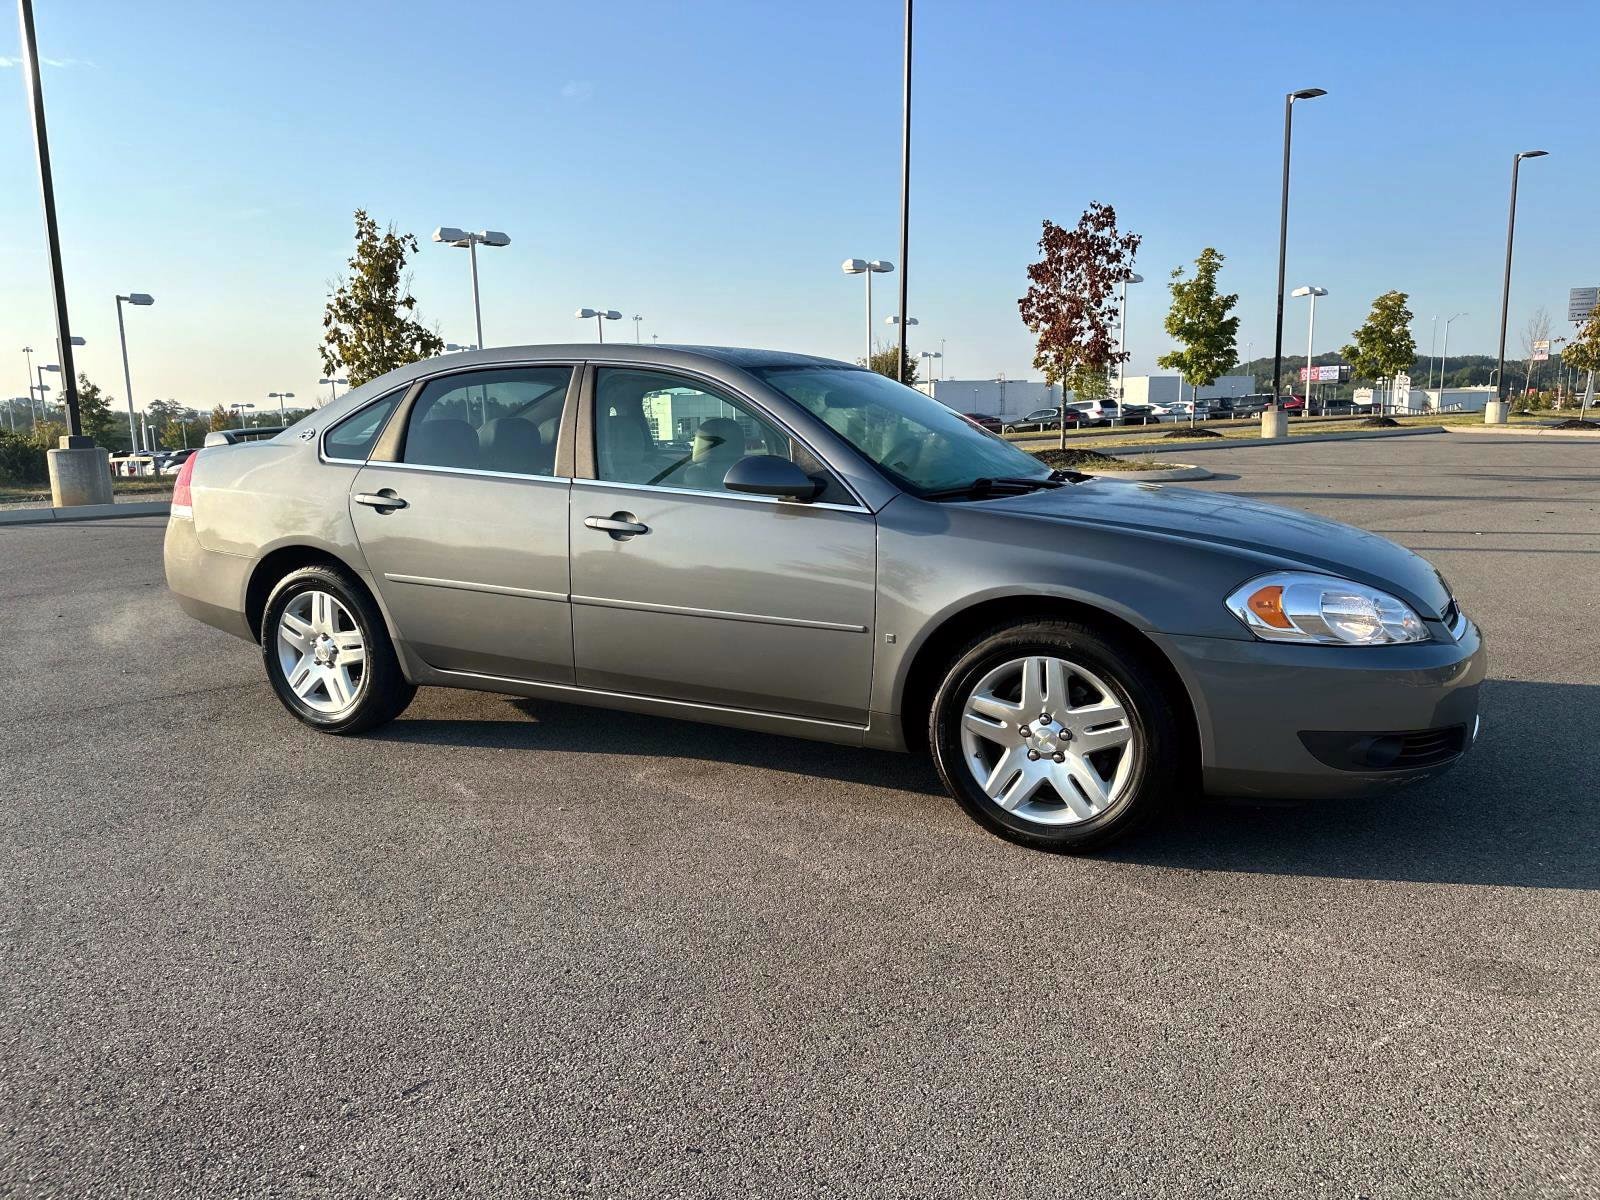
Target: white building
[1003,398]
[1169,389]
[1467,399]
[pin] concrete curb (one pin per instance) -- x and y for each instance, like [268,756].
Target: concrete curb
[1303,439]
[1527,431]
[85,512]
[1170,475]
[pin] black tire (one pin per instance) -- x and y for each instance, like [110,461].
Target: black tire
[1159,774]
[382,693]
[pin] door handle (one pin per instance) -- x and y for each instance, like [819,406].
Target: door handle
[382,500]
[620,525]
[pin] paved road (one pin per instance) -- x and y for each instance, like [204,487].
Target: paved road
[491,952]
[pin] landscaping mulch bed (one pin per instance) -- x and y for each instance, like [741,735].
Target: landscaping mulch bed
[1576,423]
[1095,461]
[1379,423]
[1199,431]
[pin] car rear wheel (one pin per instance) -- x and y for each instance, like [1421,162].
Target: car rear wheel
[1057,735]
[328,654]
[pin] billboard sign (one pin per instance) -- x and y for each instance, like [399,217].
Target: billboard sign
[1581,303]
[1541,350]
[1333,373]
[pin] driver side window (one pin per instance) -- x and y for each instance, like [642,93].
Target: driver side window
[666,431]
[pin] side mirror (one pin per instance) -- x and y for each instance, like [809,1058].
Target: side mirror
[770,475]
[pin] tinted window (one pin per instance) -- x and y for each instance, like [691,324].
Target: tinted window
[354,437]
[667,431]
[505,420]
[915,439]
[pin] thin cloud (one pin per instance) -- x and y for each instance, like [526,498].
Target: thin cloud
[577,89]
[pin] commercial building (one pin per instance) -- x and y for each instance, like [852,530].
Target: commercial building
[1169,389]
[1003,398]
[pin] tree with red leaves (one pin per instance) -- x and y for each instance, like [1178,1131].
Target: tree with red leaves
[1071,305]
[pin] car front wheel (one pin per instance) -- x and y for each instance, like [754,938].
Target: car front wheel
[1057,735]
[328,655]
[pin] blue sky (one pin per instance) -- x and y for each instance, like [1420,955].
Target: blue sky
[708,165]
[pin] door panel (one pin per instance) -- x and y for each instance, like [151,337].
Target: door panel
[473,569]
[725,600]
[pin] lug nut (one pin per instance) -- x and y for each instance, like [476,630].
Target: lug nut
[1033,756]
[1025,731]
[1060,757]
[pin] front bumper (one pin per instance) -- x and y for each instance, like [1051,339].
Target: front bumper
[1261,706]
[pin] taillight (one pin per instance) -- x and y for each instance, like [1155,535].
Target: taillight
[182,504]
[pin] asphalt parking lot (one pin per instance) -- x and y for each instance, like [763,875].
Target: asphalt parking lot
[488,950]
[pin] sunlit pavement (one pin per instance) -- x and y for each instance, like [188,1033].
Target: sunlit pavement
[491,950]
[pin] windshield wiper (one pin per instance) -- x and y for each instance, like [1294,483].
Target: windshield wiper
[1005,484]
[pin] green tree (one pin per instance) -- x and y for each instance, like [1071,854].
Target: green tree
[1199,321]
[883,362]
[1383,346]
[94,411]
[1582,354]
[1087,383]
[368,324]
[220,418]
[1071,304]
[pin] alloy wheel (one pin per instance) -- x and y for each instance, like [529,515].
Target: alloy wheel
[322,652]
[1049,741]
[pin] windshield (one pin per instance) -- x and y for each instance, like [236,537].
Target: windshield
[917,441]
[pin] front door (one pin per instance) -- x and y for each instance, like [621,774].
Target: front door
[682,589]
[471,558]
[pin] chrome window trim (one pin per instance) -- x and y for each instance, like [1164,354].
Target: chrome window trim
[322,434]
[763,410]
[724,495]
[479,471]
[464,585]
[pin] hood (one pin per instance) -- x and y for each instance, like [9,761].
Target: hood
[1298,540]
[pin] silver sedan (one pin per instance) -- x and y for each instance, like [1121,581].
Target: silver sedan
[797,546]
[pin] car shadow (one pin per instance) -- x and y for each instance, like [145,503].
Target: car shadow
[573,729]
[1519,811]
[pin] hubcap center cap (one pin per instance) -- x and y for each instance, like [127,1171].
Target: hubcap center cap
[1048,736]
[324,649]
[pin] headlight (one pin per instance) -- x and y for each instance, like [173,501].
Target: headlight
[1295,606]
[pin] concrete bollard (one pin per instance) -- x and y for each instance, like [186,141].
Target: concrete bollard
[80,473]
[1495,412]
[1274,423]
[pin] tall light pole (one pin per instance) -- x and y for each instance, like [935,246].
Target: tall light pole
[601,316]
[869,268]
[1444,357]
[905,199]
[1283,231]
[1122,338]
[140,300]
[1433,340]
[333,388]
[1505,289]
[637,339]
[280,397]
[47,191]
[458,238]
[242,409]
[927,357]
[1311,336]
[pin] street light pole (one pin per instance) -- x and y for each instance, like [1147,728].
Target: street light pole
[41,141]
[601,316]
[1283,231]
[637,339]
[141,300]
[1505,289]
[1122,338]
[1311,336]
[458,238]
[869,268]
[1444,357]
[905,200]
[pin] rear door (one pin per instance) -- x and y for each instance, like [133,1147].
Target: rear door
[704,594]
[462,516]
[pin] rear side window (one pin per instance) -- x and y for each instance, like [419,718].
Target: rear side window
[354,437]
[504,421]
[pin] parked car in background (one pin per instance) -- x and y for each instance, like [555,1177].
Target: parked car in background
[1231,407]
[985,421]
[1040,418]
[1093,412]
[837,557]
[1182,410]
[174,462]
[232,437]
[1144,414]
